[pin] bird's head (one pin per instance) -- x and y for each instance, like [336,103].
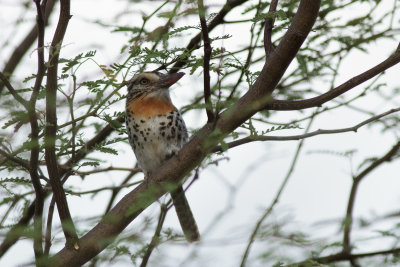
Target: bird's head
[151,84]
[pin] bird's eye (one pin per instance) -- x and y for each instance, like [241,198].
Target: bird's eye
[144,81]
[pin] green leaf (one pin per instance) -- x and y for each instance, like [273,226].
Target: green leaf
[16,180]
[107,150]
[90,163]
[76,60]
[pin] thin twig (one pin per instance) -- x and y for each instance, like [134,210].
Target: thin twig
[126,185]
[21,162]
[155,240]
[111,168]
[356,181]
[47,243]
[117,190]
[304,136]
[343,257]
[12,91]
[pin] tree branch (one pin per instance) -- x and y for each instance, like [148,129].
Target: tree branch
[111,168]
[51,128]
[21,162]
[12,91]
[47,243]
[255,138]
[206,61]
[155,240]
[356,181]
[125,185]
[34,159]
[343,257]
[341,89]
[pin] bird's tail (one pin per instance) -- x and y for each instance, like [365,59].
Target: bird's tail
[185,215]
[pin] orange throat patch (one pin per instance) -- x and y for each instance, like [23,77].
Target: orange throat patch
[150,106]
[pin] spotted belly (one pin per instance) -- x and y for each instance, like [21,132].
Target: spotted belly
[155,139]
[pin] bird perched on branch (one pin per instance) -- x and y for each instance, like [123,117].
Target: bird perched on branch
[156,132]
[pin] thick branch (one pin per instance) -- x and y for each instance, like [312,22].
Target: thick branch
[51,127]
[199,146]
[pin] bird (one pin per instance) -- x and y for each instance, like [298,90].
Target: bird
[156,132]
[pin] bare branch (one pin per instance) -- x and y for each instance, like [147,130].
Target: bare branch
[356,181]
[47,243]
[12,91]
[155,240]
[125,185]
[206,61]
[344,257]
[341,89]
[111,168]
[51,128]
[303,136]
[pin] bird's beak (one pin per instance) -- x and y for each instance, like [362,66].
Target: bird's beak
[170,79]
